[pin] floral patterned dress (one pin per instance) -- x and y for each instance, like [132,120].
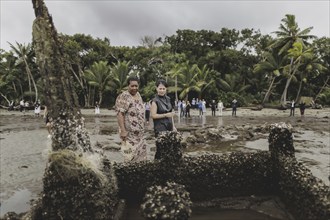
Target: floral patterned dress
[134,111]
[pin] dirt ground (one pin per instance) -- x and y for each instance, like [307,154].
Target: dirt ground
[24,145]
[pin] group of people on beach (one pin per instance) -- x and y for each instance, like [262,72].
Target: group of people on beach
[302,107]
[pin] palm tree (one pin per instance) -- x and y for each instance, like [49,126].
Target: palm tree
[120,72]
[204,78]
[272,66]
[298,54]
[99,76]
[187,78]
[288,34]
[10,81]
[311,67]
[24,53]
[230,83]
[176,71]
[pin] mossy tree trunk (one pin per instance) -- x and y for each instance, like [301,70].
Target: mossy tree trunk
[68,131]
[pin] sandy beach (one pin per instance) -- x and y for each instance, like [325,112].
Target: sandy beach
[24,145]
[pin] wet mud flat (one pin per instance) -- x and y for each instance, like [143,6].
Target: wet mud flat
[25,146]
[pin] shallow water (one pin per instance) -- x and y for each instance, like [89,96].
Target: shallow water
[24,148]
[311,148]
[210,213]
[19,202]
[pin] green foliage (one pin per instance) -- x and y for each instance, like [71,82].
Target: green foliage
[324,97]
[195,62]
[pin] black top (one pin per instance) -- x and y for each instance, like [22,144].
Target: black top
[163,106]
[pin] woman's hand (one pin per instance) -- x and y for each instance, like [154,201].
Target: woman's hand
[170,114]
[123,135]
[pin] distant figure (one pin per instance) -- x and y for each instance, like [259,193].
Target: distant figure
[97,108]
[234,107]
[213,106]
[220,107]
[37,108]
[147,107]
[193,103]
[179,107]
[292,107]
[302,107]
[200,108]
[204,106]
[22,105]
[187,110]
[183,108]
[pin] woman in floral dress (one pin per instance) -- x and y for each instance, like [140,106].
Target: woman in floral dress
[131,117]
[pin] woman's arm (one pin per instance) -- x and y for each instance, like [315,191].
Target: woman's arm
[121,124]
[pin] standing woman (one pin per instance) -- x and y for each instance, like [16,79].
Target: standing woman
[161,109]
[131,115]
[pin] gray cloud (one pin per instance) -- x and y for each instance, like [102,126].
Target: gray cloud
[126,22]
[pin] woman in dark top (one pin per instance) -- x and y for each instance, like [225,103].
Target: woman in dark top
[161,110]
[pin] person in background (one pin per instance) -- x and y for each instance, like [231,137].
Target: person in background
[220,107]
[188,107]
[22,105]
[161,109]
[213,106]
[183,108]
[37,108]
[193,103]
[97,108]
[200,108]
[292,108]
[147,107]
[234,107]
[204,106]
[131,119]
[302,107]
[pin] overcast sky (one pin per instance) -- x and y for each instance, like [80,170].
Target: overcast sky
[126,22]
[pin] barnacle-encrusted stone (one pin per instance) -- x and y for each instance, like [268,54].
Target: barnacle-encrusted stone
[280,139]
[170,201]
[169,147]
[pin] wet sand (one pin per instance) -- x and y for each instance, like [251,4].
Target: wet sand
[24,144]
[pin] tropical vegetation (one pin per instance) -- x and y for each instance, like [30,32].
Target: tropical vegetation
[286,64]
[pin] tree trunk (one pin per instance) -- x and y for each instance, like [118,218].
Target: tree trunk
[323,87]
[100,97]
[285,91]
[81,83]
[176,88]
[299,91]
[266,98]
[32,79]
[68,131]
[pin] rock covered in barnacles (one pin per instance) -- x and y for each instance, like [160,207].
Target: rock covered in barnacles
[171,201]
[280,139]
[169,147]
[68,132]
[75,187]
